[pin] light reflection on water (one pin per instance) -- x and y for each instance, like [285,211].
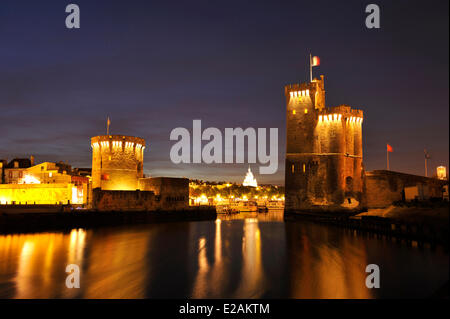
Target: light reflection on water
[239,256]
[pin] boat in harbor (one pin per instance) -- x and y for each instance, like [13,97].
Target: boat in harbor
[226,209]
[275,205]
[262,207]
[245,206]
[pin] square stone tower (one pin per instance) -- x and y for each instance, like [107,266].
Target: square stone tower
[324,168]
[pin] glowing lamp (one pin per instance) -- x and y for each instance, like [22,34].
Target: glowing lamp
[441,172]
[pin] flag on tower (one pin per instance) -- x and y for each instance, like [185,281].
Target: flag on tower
[389,148]
[315,61]
[108,123]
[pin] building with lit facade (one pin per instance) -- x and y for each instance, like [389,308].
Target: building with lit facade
[324,160]
[45,183]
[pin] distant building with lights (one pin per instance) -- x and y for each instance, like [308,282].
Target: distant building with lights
[42,184]
[249,179]
[114,183]
[13,171]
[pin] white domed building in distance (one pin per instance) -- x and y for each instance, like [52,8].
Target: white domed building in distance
[249,179]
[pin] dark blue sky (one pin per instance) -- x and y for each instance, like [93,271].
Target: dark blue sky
[156,65]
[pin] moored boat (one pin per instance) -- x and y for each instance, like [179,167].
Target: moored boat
[245,206]
[275,205]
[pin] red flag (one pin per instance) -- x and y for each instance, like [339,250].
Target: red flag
[315,61]
[389,148]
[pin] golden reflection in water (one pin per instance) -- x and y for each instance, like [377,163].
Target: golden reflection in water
[35,263]
[325,271]
[201,286]
[271,216]
[218,243]
[209,282]
[119,267]
[252,275]
[75,256]
[76,248]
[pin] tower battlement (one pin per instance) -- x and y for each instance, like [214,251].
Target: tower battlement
[314,90]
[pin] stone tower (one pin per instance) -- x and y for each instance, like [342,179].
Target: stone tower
[117,162]
[324,169]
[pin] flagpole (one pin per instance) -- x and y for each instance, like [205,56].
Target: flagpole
[310,67]
[107,126]
[387,158]
[426,162]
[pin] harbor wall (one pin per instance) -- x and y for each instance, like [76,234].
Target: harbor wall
[383,188]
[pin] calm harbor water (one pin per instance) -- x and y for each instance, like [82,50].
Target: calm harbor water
[242,256]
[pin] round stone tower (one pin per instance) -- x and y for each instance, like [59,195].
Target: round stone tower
[117,161]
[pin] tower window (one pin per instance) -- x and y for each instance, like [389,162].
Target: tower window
[306,111]
[304,167]
[293,168]
[293,112]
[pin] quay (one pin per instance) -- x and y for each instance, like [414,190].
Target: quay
[57,218]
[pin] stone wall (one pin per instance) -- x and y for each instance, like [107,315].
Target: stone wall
[171,193]
[382,188]
[105,200]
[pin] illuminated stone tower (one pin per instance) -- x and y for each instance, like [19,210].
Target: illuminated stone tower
[324,170]
[117,162]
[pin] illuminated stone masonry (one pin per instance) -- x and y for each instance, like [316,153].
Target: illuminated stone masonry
[324,159]
[117,162]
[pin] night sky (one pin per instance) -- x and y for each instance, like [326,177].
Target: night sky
[156,65]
